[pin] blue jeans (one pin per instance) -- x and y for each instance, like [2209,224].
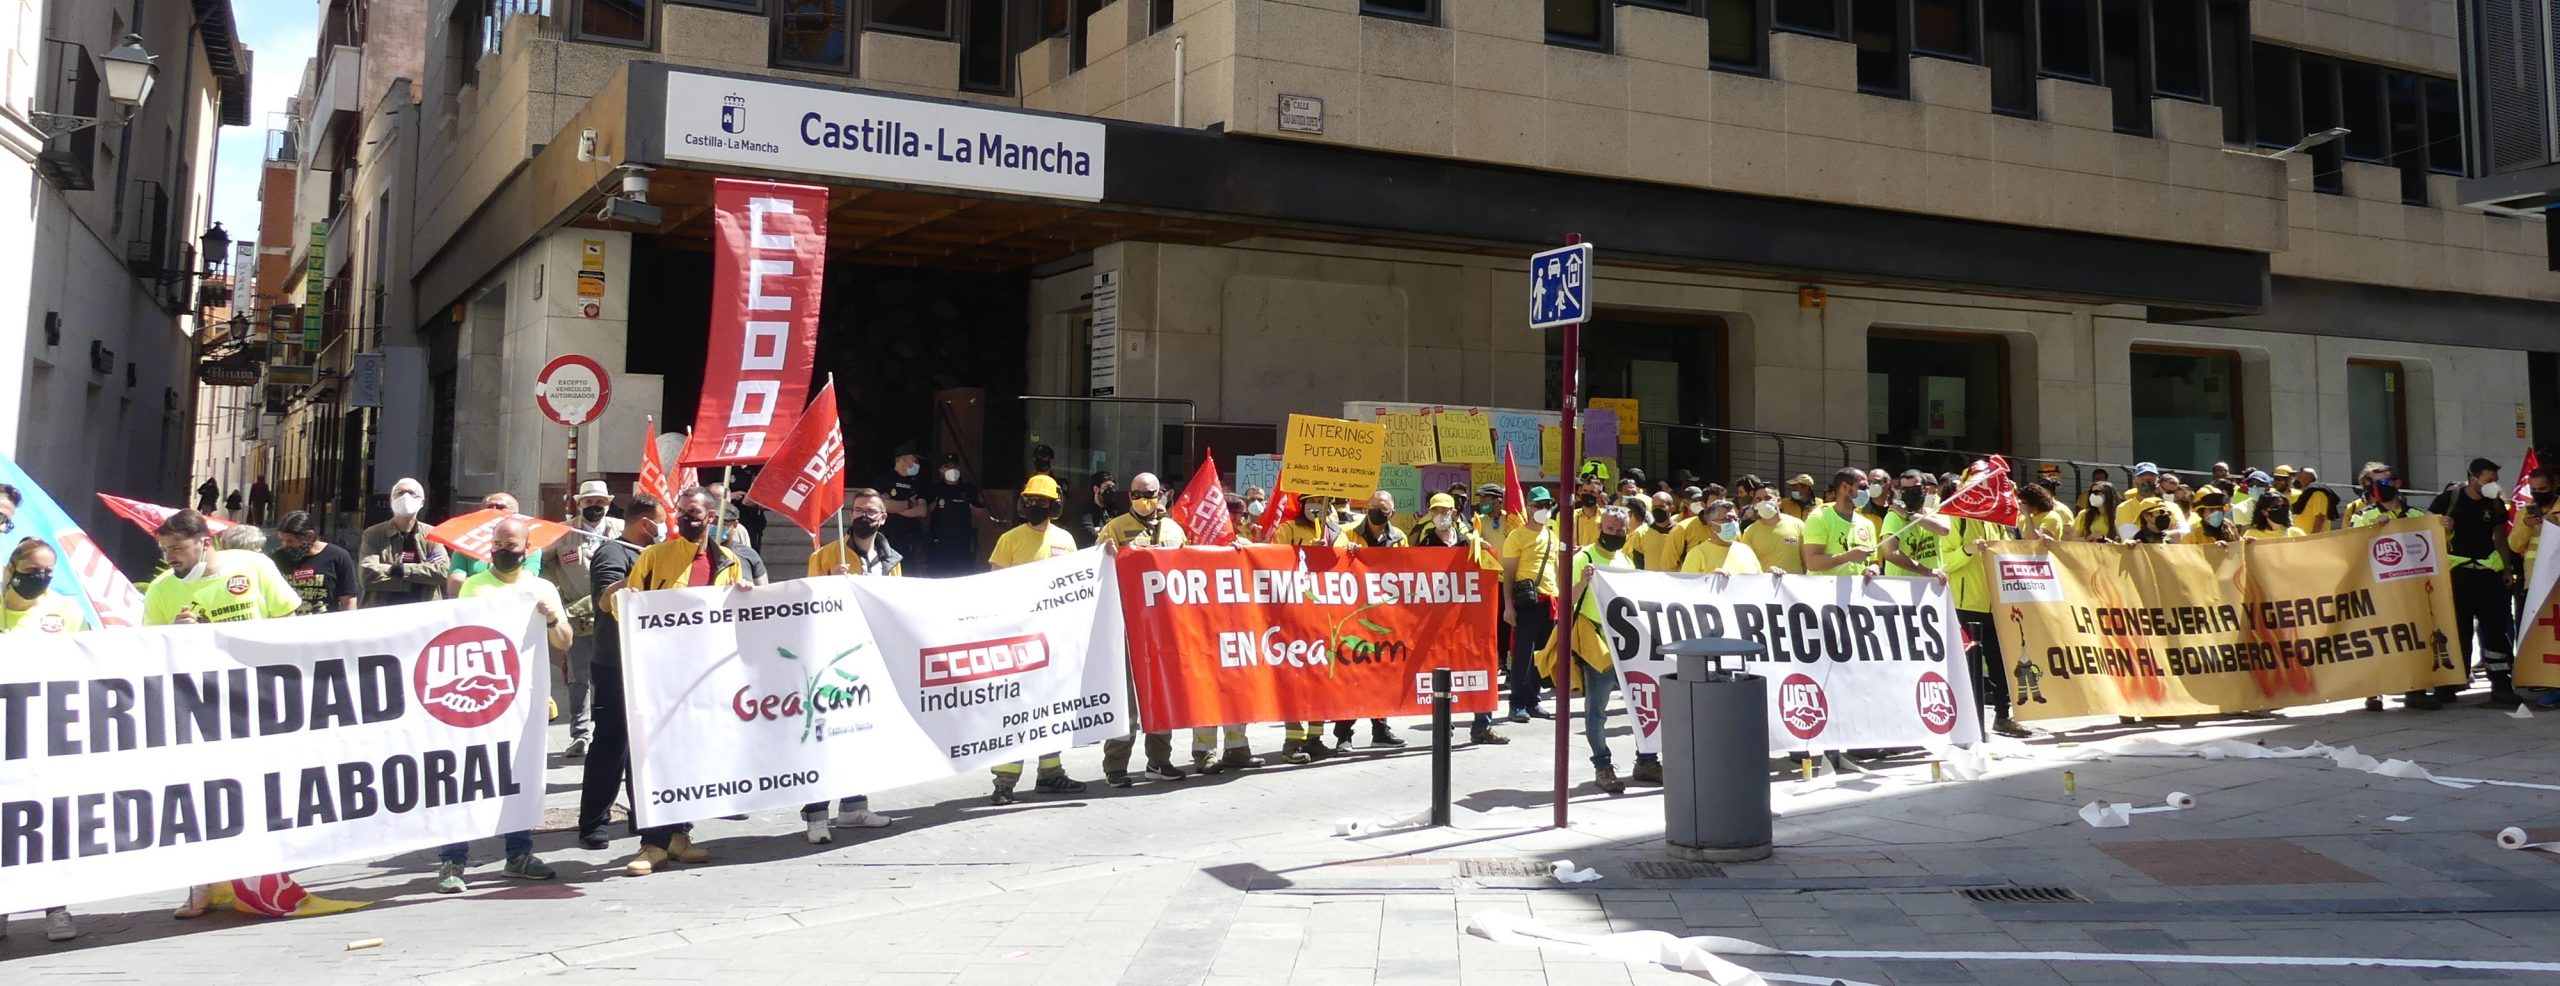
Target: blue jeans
[816,811]
[518,844]
[1529,629]
[1597,685]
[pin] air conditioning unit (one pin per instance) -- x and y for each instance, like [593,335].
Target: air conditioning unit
[2511,104]
[102,360]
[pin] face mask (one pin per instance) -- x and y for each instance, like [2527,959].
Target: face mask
[909,470]
[1662,522]
[30,585]
[2146,485]
[2213,519]
[204,566]
[1485,509]
[2491,489]
[506,559]
[1442,522]
[1912,498]
[692,528]
[592,514]
[1036,513]
[1765,508]
[1864,497]
[1253,508]
[1143,506]
[1377,517]
[407,505]
[1586,500]
[1612,542]
[1697,508]
[2096,501]
[1541,515]
[1315,512]
[951,475]
[1799,496]
[1728,530]
[864,526]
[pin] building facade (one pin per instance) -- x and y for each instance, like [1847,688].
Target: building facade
[109,289]
[2083,231]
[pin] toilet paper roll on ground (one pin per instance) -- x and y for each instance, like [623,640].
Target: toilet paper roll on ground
[1564,871]
[2107,814]
[2181,800]
[2512,837]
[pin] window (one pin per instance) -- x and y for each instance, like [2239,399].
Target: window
[1943,28]
[1674,366]
[1823,17]
[2069,37]
[2128,71]
[2360,103]
[2186,407]
[2009,50]
[1078,23]
[2444,127]
[1738,35]
[2178,48]
[1581,23]
[1423,11]
[2408,135]
[2277,121]
[1875,26]
[986,60]
[1936,390]
[753,6]
[1160,15]
[814,34]
[625,22]
[2320,112]
[931,18]
[2229,48]
[2377,411]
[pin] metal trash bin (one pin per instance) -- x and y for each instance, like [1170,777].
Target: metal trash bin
[1715,753]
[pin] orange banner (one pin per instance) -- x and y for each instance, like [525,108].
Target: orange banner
[1220,636]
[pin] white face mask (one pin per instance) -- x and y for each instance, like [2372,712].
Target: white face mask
[1765,508]
[407,504]
[1697,507]
[910,469]
[2491,489]
[951,475]
[1443,521]
[1253,508]
[1541,515]
[204,566]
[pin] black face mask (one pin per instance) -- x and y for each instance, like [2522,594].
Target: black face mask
[30,585]
[692,528]
[1612,542]
[1034,513]
[506,559]
[1913,497]
[864,526]
[1586,500]
[592,514]
[1377,517]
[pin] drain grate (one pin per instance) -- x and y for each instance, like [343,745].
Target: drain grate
[1672,870]
[1505,867]
[2025,895]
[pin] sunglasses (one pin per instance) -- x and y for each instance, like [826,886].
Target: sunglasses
[1144,494]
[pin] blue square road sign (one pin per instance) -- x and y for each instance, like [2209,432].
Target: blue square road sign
[1560,287]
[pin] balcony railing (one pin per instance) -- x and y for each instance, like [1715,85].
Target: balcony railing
[71,89]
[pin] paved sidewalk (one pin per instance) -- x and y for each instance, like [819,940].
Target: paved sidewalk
[1239,879]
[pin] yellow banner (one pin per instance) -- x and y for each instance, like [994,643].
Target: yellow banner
[1551,449]
[2538,640]
[1409,439]
[1465,436]
[2169,630]
[1331,457]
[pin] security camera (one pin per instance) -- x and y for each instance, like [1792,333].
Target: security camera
[635,183]
[587,144]
[630,211]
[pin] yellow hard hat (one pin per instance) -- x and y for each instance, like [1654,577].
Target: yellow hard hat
[1042,485]
[1443,501]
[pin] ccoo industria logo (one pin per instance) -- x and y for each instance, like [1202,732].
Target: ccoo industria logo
[733,114]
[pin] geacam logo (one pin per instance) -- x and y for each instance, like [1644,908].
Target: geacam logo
[733,114]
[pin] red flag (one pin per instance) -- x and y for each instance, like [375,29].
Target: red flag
[1515,499]
[805,478]
[472,532]
[653,470]
[1985,494]
[151,515]
[1202,507]
[2521,499]
[1283,507]
[767,272]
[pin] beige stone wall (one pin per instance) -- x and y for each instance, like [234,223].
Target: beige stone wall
[1254,331]
[2415,34]
[1129,72]
[2369,236]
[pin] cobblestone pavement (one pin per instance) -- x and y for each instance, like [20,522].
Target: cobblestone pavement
[1239,879]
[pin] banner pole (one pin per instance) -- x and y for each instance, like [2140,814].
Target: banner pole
[1566,608]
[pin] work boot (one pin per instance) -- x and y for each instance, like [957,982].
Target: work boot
[2502,700]
[650,860]
[1203,765]
[1004,792]
[1608,781]
[1316,751]
[2423,701]
[1117,778]
[449,878]
[1164,772]
[1060,784]
[595,839]
[1241,757]
[1487,737]
[2008,727]
[819,834]
[528,867]
[1647,772]
[58,926]
[682,850]
[1381,735]
[1295,751]
[2373,703]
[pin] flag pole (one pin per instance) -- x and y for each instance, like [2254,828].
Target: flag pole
[844,541]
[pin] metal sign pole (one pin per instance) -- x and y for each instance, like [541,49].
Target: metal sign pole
[1571,453]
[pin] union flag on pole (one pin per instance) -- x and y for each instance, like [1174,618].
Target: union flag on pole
[1202,507]
[149,516]
[653,470]
[768,270]
[1985,494]
[471,533]
[804,480]
[2521,498]
[1515,498]
[1282,508]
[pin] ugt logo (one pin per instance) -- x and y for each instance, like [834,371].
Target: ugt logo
[733,114]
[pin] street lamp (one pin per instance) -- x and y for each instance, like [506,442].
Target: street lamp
[216,244]
[2306,143]
[130,73]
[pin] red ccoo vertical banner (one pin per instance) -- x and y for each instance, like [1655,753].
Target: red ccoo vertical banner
[768,268]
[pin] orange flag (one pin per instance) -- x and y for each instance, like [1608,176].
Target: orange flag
[471,532]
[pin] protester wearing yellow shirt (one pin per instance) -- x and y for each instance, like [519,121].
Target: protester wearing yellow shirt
[1312,528]
[1658,542]
[1528,583]
[1910,543]
[28,605]
[690,559]
[2313,504]
[2271,517]
[1967,558]
[1839,539]
[2524,536]
[1586,510]
[1800,501]
[1721,549]
[1771,534]
[1442,527]
[2146,491]
[1592,663]
[864,551]
[2040,517]
[2214,521]
[1037,538]
[1147,525]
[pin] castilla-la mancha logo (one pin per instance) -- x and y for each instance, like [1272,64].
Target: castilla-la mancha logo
[733,114]
[468,676]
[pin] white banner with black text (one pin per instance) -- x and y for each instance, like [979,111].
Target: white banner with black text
[1852,663]
[743,700]
[139,759]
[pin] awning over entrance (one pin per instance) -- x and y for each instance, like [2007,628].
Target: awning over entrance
[930,183]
